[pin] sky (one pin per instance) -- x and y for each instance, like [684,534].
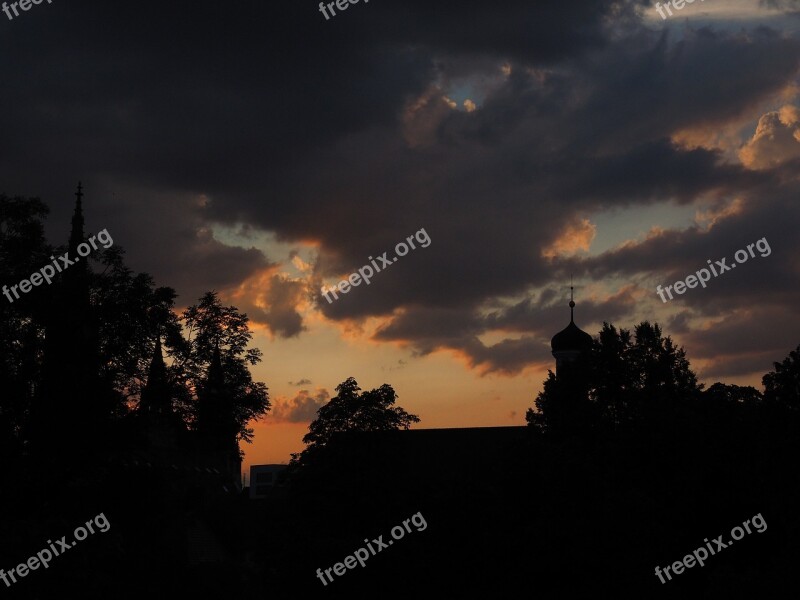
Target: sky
[263,151]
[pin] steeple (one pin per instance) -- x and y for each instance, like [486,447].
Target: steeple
[158,370]
[76,236]
[216,422]
[214,401]
[73,402]
[571,343]
[216,375]
[162,427]
[156,393]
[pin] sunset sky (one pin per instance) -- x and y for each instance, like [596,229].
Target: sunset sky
[261,151]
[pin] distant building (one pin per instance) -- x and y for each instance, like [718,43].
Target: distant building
[264,479]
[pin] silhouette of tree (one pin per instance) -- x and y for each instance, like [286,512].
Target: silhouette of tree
[733,394]
[207,324]
[650,377]
[614,374]
[23,249]
[128,312]
[563,407]
[624,377]
[350,411]
[661,367]
[131,312]
[782,386]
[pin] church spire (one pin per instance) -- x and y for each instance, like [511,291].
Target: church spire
[571,343]
[74,403]
[76,236]
[216,421]
[156,393]
[216,375]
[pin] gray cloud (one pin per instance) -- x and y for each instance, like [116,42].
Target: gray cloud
[340,132]
[300,409]
[282,316]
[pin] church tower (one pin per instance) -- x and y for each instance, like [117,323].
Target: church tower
[570,346]
[156,393]
[162,427]
[71,405]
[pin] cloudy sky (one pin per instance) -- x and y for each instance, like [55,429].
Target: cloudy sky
[262,151]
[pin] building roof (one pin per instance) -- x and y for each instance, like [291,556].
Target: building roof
[571,337]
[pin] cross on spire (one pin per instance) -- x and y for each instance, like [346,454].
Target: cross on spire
[571,304]
[571,300]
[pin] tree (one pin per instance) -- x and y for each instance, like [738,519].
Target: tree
[782,386]
[23,250]
[625,379]
[613,374]
[210,324]
[350,411]
[661,368]
[127,309]
[563,408]
[131,314]
[723,393]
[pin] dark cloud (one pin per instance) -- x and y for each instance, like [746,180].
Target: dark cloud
[755,365]
[344,132]
[165,234]
[539,318]
[744,334]
[282,298]
[300,382]
[788,5]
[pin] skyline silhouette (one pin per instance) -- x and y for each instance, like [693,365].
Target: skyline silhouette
[592,367]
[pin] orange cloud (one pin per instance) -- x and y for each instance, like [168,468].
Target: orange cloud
[273,300]
[775,141]
[574,238]
[709,218]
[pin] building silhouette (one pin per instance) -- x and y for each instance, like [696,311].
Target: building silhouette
[73,412]
[570,346]
[426,453]
[266,481]
[73,405]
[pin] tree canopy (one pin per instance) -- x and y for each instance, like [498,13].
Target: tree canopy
[129,313]
[625,375]
[782,386]
[354,410]
[209,324]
